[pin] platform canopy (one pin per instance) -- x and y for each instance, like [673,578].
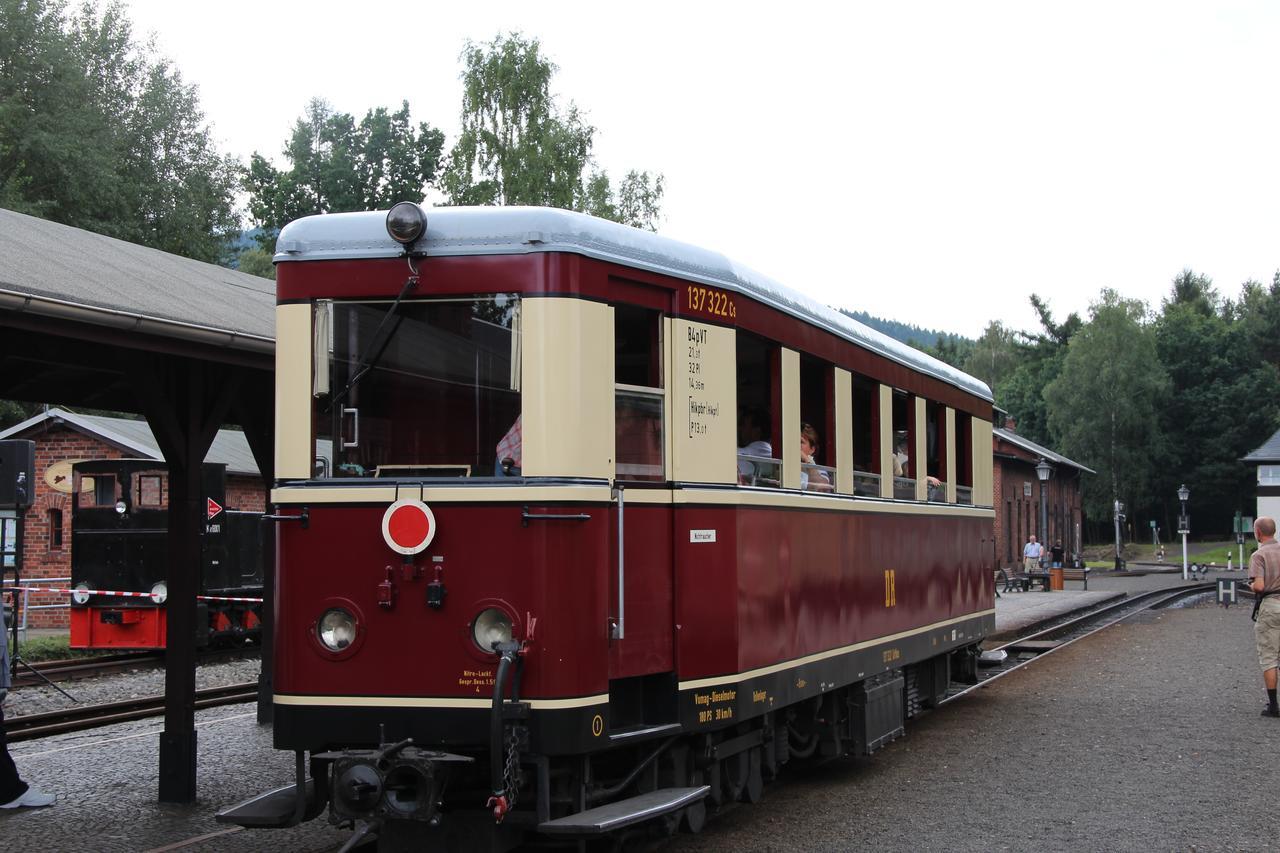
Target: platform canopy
[95,322]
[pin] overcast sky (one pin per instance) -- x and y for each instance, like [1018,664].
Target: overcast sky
[932,162]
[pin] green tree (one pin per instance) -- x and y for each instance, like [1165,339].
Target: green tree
[257,261]
[518,147]
[98,132]
[336,164]
[1221,403]
[1038,360]
[994,354]
[1102,407]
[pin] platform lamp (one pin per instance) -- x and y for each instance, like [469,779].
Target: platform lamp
[1043,470]
[1184,525]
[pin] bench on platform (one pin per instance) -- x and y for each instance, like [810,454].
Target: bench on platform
[1080,574]
[1012,581]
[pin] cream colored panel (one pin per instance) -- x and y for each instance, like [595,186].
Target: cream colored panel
[983,487]
[843,443]
[951,455]
[704,403]
[567,396]
[293,392]
[886,442]
[790,438]
[922,463]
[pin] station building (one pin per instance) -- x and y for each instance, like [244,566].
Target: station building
[1019,494]
[1267,460]
[62,437]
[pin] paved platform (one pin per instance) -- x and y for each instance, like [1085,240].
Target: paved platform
[106,784]
[1016,612]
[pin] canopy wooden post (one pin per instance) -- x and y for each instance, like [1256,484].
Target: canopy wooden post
[184,406]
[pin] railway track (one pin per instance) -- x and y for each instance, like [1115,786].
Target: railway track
[1026,650]
[31,726]
[73,668]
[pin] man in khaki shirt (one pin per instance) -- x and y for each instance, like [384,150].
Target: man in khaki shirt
[1264,575]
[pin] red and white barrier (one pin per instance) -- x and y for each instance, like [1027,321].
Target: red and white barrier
[124,594]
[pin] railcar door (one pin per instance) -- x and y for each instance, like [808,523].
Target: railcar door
[642,685]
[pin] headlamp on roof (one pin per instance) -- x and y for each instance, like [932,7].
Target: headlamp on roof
[406,222]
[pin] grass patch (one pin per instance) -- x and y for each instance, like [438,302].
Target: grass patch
[55,647]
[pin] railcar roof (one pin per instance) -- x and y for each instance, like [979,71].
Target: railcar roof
[523,230]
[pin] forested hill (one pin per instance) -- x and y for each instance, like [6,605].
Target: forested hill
[925,339]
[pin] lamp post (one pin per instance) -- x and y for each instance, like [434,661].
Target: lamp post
[1184,525]
[1043,470]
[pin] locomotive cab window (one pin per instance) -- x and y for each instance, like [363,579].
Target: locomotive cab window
[150,491]
[866,437]
[638,394]
[423,389]
[759,411]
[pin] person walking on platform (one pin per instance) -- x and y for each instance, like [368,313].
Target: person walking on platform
[14,793]
[1264,578]
[1031,554]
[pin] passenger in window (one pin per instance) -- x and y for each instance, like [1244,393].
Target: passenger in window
[752,441]
[900,457]
[508,450]
[812,478]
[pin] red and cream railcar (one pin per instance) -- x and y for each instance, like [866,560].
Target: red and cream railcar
[560,564]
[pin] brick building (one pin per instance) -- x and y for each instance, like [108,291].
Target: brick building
[62,437]
[1019,493]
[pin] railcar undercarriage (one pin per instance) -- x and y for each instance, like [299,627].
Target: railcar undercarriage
[414,798]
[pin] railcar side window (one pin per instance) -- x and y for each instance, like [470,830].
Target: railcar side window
[904,446]
[964,458]
[866,437]
[759,411]
[429,390]
[638,394]
[817,425]
[935,449]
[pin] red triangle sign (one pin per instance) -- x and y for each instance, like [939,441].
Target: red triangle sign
[213,507]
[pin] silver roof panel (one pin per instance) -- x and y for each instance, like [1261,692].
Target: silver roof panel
[523,230]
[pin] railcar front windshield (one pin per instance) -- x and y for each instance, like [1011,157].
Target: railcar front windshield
[429,390]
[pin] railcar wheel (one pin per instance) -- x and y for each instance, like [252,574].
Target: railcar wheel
[694,818]
[753,791]
[734,774]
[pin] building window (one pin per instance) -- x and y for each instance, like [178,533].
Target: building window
[55,530]
[1269,475]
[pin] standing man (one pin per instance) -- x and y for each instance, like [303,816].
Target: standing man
[1057,554]
[14,793]
[1264,577]
[1031,553]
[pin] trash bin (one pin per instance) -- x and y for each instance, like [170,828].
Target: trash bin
[1056,580]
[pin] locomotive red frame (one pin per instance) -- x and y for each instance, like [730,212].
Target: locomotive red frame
[666,619]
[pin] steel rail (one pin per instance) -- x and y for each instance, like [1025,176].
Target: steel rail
[1121,610]
[31,726]
[72,668]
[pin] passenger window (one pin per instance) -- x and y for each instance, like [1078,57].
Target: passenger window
[866,437]
[759,411]
[904,445]
[935,448]
[638,394]
[964,458]
[817,451]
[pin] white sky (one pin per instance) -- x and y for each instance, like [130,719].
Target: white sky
[932,162]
